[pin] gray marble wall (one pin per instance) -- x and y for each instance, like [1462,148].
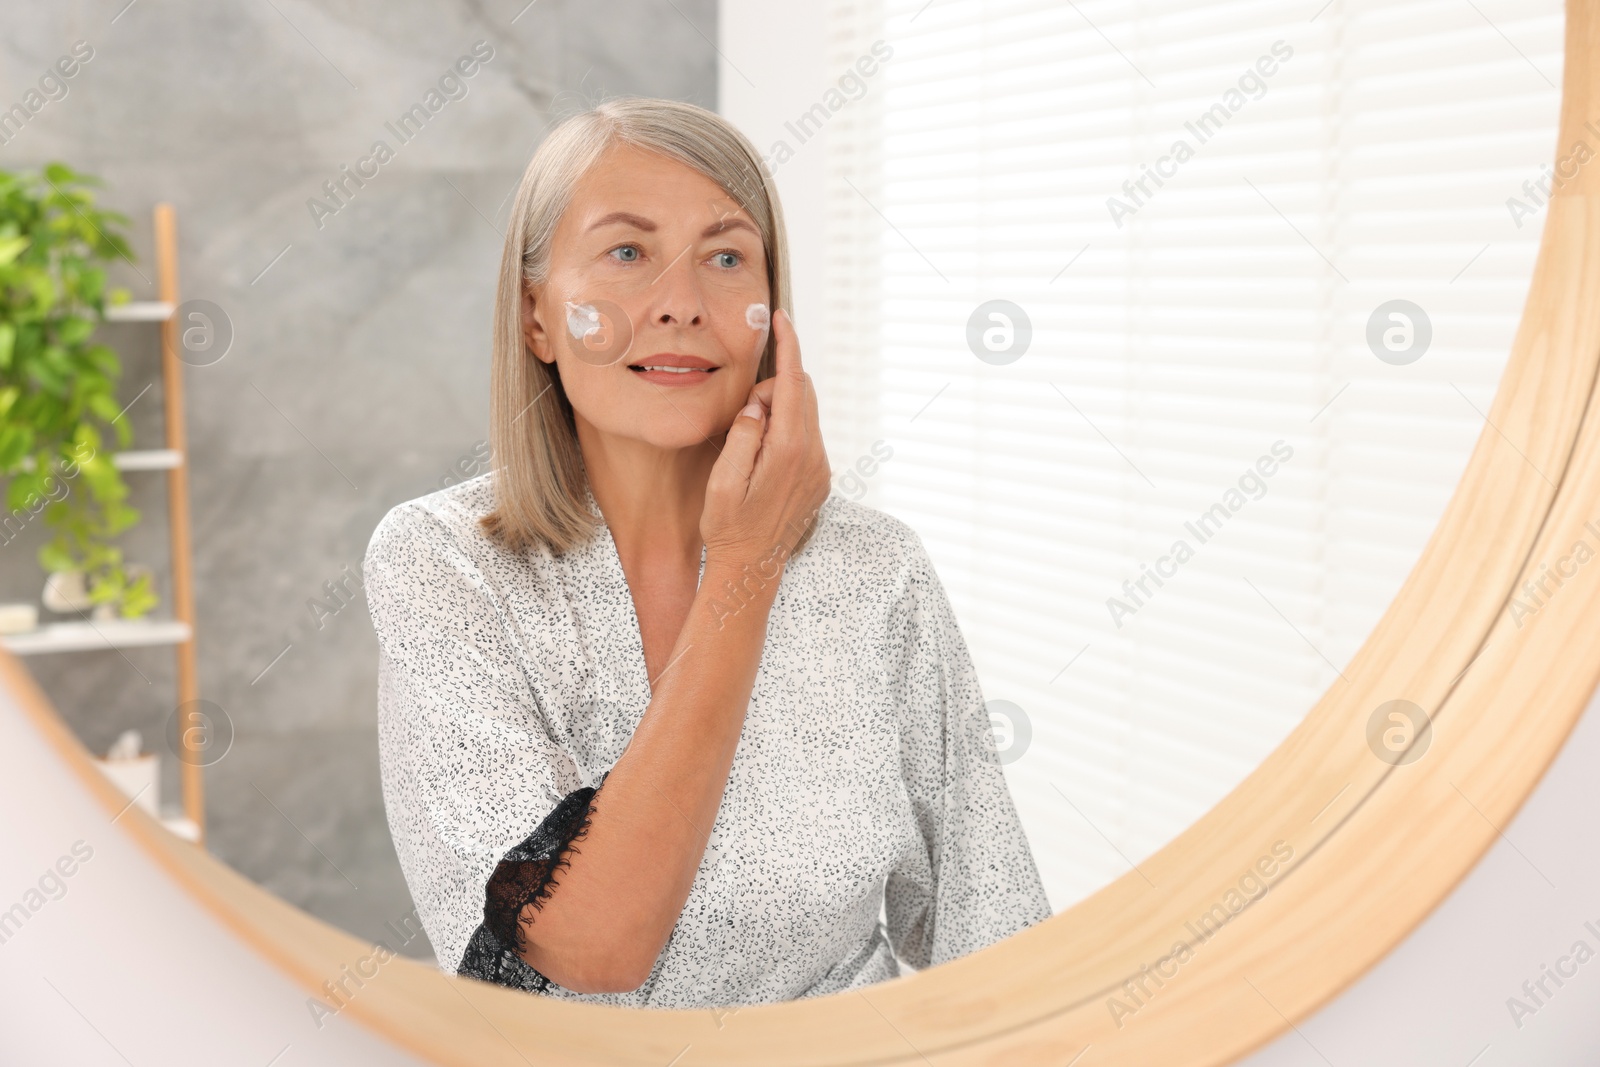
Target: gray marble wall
[358,372]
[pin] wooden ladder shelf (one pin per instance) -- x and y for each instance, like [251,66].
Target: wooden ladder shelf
[179,629]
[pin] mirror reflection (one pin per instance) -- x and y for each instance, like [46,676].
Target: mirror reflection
[656,523]
[662,721]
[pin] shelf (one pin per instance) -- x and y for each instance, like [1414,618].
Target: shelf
[96,636]
[140,311]
[135,459]
[148,459]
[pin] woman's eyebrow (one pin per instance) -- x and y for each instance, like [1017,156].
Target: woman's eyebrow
[639,222]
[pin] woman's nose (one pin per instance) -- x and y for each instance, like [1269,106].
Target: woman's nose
[675,294]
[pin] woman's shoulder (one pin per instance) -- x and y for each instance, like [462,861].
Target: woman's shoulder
[863,536]
[853,517]
[456,505]
[442,522]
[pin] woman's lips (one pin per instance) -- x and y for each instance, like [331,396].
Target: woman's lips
[670,368]
[673,375]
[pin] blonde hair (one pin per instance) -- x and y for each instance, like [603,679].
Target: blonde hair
[538,477]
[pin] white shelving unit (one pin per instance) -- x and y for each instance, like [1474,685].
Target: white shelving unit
[140,311]
[148,459]
[151,459]
[92,636]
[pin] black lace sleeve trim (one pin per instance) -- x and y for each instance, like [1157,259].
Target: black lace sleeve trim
[525,875]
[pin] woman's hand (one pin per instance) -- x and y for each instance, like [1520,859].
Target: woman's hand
[772,477]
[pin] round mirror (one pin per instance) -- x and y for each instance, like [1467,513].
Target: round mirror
[1187,346]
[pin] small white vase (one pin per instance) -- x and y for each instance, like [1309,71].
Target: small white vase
[66,592]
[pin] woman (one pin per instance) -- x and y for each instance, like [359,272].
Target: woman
[662,722]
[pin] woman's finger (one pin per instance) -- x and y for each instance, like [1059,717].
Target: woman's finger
[763,389]
[732,468]
[788,392]
[816,435]
[813,419]
[761,393]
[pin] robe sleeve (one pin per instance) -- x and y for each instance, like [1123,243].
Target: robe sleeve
[484,804]
[975,881]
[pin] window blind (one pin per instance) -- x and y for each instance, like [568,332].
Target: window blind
[1203,210]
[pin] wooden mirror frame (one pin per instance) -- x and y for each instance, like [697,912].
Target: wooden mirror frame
[1372,846]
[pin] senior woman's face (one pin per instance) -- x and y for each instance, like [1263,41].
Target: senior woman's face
[648,310]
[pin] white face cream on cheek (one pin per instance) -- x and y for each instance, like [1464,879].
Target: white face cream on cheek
[757,317]
[601,332]
[582,320]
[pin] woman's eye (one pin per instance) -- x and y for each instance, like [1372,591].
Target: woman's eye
[627,248]
[723,257]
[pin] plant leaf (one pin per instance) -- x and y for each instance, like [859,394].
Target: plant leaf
[11,248]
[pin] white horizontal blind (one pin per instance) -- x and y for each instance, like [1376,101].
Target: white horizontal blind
[1370,158]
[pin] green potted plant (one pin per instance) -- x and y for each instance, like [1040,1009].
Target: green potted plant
[58,386]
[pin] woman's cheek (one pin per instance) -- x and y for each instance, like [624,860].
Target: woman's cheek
[744,322]
[598,333]
[587,391]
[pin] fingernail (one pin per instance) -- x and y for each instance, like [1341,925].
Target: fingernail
[751,411]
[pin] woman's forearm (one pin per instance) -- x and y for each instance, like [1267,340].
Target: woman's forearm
[619,896]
